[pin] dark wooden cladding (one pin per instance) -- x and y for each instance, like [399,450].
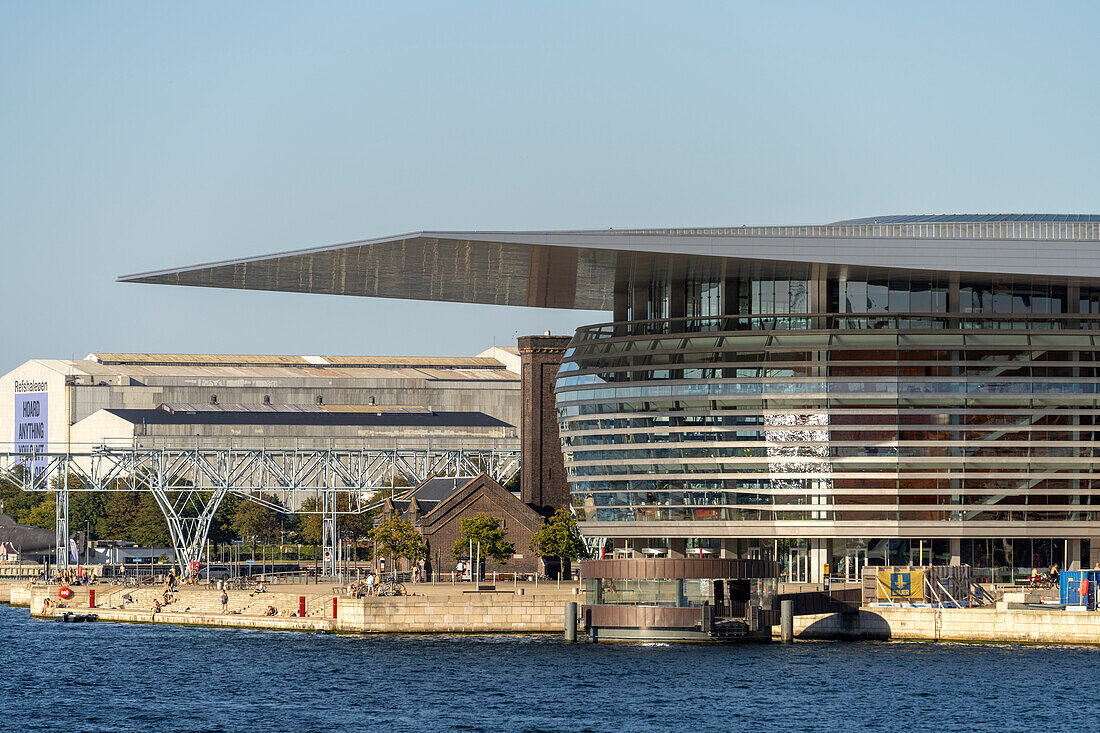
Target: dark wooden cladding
[815,602]
[667,568]
[642,617]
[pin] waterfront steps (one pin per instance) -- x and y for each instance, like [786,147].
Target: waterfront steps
[436,609]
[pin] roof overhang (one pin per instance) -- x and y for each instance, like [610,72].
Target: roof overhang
[578,269]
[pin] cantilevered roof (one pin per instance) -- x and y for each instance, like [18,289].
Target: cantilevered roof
[970,218]
[578,269]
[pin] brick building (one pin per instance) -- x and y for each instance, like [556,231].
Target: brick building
[437,507]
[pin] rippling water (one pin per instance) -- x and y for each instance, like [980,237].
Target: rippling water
[107,677]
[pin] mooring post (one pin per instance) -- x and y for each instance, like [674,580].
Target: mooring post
[571,621]
[786,621]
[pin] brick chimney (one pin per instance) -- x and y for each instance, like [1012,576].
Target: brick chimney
[542,476]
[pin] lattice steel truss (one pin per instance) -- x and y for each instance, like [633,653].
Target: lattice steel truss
[190,484]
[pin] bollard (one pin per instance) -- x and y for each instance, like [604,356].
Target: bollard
[301,606]
[571,621]
[334,608]
[91,598]
[786,621]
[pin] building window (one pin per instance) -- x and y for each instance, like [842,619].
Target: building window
[658,305]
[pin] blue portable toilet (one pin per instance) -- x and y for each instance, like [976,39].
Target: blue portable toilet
[1069,588]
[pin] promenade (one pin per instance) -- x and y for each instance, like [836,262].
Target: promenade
[452,609]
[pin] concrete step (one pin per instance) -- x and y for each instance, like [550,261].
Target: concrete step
[209,601]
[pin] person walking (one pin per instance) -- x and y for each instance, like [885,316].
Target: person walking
[225,602]
[370,584]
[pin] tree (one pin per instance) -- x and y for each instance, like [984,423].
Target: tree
[88,509]
[396,537]
[487,531]
[559,538]
[122,509]
[18,503]
[258,521]
[43,514]
[221,525]
[310,522]
[150,528]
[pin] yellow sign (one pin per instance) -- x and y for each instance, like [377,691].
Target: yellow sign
[907,585]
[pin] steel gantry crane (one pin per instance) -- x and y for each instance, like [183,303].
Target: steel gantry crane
[189,484]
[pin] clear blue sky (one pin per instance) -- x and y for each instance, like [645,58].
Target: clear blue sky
[140,136]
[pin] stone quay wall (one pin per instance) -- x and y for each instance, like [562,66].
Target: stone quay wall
[987,624]
[474,613]
[452,612]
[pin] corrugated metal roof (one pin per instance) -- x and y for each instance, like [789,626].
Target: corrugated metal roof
[276,360]
[197,359]
[237,407]
[397,362]
[373,408]
[284,407]
[289,371]
[396,419]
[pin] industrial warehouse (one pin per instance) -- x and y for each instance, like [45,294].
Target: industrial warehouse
[196,400]
[884,391]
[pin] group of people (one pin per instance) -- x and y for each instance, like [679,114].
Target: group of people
[74,576]
[366,587]
[372,586]
[1037,578]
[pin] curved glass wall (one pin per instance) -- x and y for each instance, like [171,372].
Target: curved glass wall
[978,408]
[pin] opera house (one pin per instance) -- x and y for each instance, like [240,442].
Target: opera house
[891,390]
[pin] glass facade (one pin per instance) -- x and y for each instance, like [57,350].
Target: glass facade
[839,400]
[728,597]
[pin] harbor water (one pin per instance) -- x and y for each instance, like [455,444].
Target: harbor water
[119,677]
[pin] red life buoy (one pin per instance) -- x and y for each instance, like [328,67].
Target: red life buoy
[64,592]
[1084,590]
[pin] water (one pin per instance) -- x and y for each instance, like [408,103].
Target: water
[114,677]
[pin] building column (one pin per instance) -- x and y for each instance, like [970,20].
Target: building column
[954,546]
[677,547]
[1094,551]
[728,550]
[1073,562]
[819,555]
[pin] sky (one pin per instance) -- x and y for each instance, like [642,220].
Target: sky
[143,136]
